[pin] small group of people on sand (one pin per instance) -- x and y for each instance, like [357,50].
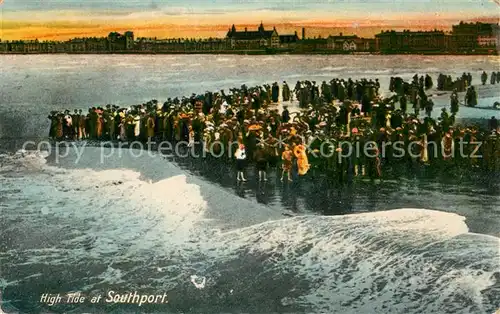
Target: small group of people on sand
[494,77]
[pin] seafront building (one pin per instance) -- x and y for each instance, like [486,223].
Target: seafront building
[253,39]
[412,42]
[464,38]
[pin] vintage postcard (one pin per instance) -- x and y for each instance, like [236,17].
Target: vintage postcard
[279,156]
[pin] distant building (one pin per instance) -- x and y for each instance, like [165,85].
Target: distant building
[488,38]
[4,46]
[467,37]
[119,42]
[77,45]
[410,41]
[350,43]
[313,44]
[289,41]
[147,44]
[253,39]
[94,44]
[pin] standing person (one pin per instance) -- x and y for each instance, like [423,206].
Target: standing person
[484,77]
[241,157]
[286,91]
[191,136]
[99,123]
[151,127]
[109,121]
[454,102]
[68,125]
[82,125]
[493,79]
[472,97]
[417,104]
[122,126]
[285,115]
[275,91]
[60,127]
[272,150]
[53,124]
[286,157]
[493,124]
[403,103]
[137,125]
[429,107]
[260,157]
[76,123]
[302,160]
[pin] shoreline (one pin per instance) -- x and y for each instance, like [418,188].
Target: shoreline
[253,52]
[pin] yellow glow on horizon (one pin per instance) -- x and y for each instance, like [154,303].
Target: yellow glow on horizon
[62,25]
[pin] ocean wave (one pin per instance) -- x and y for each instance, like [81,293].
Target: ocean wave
[173,227]
[333,68]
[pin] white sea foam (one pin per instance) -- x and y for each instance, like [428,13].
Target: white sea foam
[380,256]
[333,69]
[409,260]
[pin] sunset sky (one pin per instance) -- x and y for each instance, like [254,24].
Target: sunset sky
[63,19]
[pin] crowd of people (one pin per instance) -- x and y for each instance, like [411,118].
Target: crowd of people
[342,128]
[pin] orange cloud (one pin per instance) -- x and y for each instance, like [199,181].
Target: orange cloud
[62,25]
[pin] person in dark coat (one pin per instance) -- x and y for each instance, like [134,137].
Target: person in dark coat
[403,104]
[493,124]
[471,97]
[260,157]
[275,91]
[285,115]
[454,102]
[286,91]
[429,106]
[428,82]
[484,78]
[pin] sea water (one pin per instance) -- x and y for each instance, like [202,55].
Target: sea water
[146,224]
[33,85]
[79,229]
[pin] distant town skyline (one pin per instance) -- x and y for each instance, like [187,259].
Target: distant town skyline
[65,19]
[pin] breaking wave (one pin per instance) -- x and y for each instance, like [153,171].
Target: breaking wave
[128,230]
